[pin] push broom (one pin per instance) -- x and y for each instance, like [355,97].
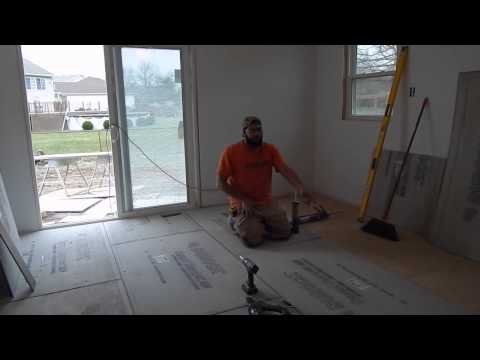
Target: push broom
[381,227]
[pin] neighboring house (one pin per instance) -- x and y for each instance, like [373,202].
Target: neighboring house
[40,88]
[87,94]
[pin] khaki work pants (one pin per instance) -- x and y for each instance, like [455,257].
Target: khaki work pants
[263,222]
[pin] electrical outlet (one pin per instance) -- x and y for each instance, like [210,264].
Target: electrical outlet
[412,91]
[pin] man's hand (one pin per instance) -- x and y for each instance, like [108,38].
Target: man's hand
[308,198]
[247,207]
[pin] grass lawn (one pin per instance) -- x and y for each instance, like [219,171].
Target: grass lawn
[161,134]
[73,142]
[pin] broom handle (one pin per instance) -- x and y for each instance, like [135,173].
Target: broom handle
[390,201]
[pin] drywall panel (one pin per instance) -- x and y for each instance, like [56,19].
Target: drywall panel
[319,278]
[66,258]
[9,271]
[108,298]
[417,194]
[342,149]
[275,83]
[187,273]
[10,257]
[4,288]
[457,223]
[126,230]
[214,221]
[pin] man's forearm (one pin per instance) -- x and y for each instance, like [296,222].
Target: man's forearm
[232,191]
[293,179]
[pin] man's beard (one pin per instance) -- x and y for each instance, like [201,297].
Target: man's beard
[252,142]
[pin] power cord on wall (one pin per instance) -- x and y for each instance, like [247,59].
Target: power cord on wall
[156,165]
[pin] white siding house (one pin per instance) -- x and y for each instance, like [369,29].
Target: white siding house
[39,86]
[87,94]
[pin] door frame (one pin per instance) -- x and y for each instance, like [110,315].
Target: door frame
[38,218]
[117,111]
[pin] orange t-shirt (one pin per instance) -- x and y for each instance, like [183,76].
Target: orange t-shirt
[250,170]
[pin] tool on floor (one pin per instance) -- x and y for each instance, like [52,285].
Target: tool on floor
[319,215]
[380,227]
[260,307]
[383,132]
[249,286]
[295,219]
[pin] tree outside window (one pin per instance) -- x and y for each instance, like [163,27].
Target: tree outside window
[369,74]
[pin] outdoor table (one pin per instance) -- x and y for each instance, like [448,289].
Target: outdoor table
[56,160]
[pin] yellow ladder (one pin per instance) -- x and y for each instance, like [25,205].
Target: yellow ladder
[383,132]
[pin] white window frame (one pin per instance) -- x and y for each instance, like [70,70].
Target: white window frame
[348,81]
[117,109]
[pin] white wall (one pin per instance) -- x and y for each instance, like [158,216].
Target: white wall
[273,82]
[15,149]
[342,149]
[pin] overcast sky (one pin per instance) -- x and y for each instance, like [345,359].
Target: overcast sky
[85,60]
[88,60]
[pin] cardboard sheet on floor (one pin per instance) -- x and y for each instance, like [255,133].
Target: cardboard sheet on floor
[214,221]
[319,278]
[188,273]
[102,299]
[66,258]
[126,230]
[67,205]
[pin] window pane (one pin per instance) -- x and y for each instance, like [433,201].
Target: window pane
[154,104]
[375,58]
[369,95]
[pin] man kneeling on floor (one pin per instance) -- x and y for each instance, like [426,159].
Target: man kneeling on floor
[245,174]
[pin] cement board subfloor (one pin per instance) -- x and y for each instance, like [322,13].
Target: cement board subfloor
[114,267]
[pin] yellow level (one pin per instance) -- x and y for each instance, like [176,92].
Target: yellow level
[383,132]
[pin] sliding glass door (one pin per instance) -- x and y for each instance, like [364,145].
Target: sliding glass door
[153,149]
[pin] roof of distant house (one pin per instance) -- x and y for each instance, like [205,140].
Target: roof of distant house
[68,78]
[29,68]
[89,85]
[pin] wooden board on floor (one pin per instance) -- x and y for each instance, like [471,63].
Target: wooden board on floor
[65,258]
[126,230]
[102,299]
[67,205]
[105,208]
[188,273]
